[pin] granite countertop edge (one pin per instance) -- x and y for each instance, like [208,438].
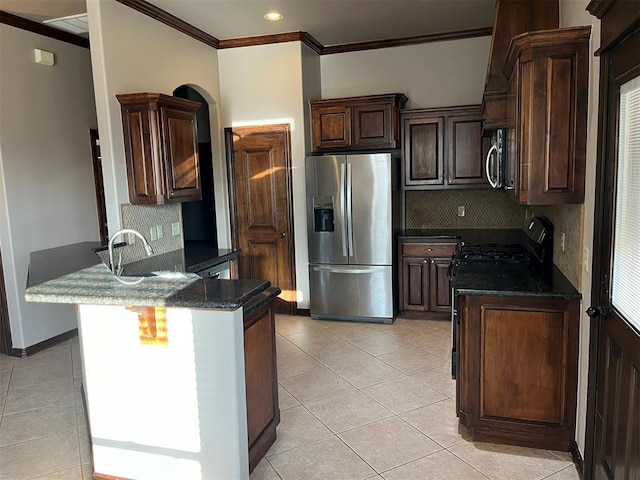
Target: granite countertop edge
[96,285]
[516,293]
[261,299]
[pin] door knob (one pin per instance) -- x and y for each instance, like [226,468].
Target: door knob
[282,234]
[597,311]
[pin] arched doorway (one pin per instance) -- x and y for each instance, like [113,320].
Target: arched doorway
[199,218]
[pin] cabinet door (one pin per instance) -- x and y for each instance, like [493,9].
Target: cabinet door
[519,363]
[182,168]
[558,170]
[466,150]
[549,76]
[415,284]
[142,164]
[423,144]
[263,413]
[440,291]
[331,126]
[373,126]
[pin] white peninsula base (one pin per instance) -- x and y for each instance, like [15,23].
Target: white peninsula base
[173,411]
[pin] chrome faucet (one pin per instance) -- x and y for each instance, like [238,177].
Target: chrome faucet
[117,271]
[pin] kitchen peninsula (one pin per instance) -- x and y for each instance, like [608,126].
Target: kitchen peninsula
[179,371]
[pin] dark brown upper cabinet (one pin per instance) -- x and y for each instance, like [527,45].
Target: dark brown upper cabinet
[512,18]
[547,116]
[443,148]
[161,148]
[356,123]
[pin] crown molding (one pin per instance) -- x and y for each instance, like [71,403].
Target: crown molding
[42,29]
[172,21]
[598,8]
[303,37]
[400,42]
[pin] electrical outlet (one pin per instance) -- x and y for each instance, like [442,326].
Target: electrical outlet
[131,238]
[586,259]
[461,210]
[153,234]
[159,231]
[175,228]
[562,241]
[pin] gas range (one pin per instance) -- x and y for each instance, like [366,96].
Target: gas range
[537,253]
[493,251]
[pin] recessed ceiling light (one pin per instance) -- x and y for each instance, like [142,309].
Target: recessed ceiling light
[273,16]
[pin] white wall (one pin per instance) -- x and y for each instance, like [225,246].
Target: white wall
[573,13]
[262,85]
[47,197]
[438,74]
[133,53]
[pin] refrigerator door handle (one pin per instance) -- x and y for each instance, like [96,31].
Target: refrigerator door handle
[488,165]
[350,208]
[343,227]
[349,269]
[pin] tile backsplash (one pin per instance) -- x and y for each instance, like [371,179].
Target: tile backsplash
[496,209]
[566,219]
[439,209]
[143,218]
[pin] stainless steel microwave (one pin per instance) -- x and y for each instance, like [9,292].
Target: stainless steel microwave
[496,159]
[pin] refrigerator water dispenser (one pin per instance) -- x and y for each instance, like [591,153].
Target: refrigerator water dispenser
[323,213]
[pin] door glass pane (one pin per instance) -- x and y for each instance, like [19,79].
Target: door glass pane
[626,244]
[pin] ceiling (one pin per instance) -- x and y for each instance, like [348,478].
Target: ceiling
[331,22]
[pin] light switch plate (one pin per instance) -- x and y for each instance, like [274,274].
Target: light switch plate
[153,233]
[159,231]
[586,259]
[131,238]
[175,228]
[461,210]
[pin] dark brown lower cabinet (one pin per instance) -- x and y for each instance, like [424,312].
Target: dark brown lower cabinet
[424,280]
[518,370]
[263,412]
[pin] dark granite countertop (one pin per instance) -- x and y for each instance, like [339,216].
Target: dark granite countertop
[511,279]
[96,285]
[200,256]
[477,235]
[75,274]
[497,278]
[193,258]
[55,262]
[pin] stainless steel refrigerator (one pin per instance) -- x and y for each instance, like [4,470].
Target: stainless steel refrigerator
[352,209]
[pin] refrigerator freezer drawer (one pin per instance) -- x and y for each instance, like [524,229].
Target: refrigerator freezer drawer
[352,292]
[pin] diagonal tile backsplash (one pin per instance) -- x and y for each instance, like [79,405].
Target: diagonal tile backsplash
[143,218]
[439,209]
[496,209]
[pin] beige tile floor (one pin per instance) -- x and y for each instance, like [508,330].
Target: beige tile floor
[358,401]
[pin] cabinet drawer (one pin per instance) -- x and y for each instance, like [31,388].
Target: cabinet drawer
[429,249]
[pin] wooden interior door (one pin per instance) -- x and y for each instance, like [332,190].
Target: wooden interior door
[613,409]
[98,182]
[260,199]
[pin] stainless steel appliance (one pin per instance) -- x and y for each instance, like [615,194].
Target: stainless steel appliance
[495,163]
[536,250]
[352,210]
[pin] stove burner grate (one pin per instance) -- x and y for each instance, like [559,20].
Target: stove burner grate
[490,251]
